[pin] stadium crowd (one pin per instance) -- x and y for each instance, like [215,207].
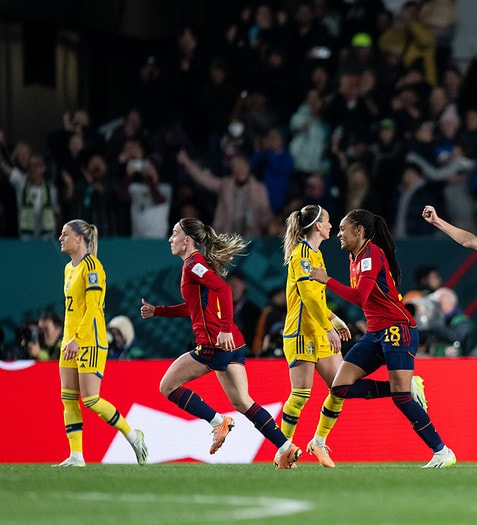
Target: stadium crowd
[341,104]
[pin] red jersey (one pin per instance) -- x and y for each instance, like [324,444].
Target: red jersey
[373,289]
[207,301]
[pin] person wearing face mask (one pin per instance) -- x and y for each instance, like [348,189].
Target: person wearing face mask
[243,205]
[233,142]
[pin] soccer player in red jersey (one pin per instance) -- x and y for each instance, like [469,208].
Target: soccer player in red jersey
[220,344]
[392,336]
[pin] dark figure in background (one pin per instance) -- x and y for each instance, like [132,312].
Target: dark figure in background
[268,340]
[246,312]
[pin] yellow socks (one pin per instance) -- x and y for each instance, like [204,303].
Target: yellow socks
[292,410]
[330,411]
[73,419]
[107,412]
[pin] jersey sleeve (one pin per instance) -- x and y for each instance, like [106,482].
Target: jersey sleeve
[177,310]
[358,295]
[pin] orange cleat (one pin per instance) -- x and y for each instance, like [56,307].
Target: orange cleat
[321,452]
[220,433]
[288,458]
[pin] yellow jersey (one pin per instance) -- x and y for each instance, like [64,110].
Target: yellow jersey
[85,290]
[307,311]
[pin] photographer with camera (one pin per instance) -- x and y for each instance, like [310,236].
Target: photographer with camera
[446,331]
[40,341]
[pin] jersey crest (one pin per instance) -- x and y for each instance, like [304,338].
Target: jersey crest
[93,278]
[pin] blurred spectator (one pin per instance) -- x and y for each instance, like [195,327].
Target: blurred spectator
[413,194]
[164,145]
[320,80]
[427,279]
[37,201]
[273,165]
[131,128]
[276,81]
[95,197]
[234,143]
[358,56]
[75,157]
[246,312]
[76,122]
[441,16]
[409,102]
[452,80]
[386,168]
[359,192]
[133,150]
[370,92]
[351,123]
[217,99]
[311,43]
[152,94]
[317,191]
[150,200]
[268,340]
[122,339]
[254,111]
[451,168]
[69,176]
[242,201]
[15,164]
[188,68]
[309,142]
[413,40]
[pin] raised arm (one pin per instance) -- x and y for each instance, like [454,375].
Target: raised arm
[202,176]
[463,237]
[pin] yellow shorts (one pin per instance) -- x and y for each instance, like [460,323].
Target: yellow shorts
[90,360]
[305,348]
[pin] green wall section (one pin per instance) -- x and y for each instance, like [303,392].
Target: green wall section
[32,280]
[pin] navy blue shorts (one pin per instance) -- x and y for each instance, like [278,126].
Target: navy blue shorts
[395,347]
[217,359]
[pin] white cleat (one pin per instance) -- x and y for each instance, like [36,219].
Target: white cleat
[72,461]
[445,458]
[140,448]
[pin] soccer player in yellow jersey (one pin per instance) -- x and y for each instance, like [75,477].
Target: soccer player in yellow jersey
[84,347]
[312,333]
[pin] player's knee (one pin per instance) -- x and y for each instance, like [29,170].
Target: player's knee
[165,389]
[340,390]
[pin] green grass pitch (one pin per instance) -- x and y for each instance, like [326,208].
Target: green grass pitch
[193,493]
